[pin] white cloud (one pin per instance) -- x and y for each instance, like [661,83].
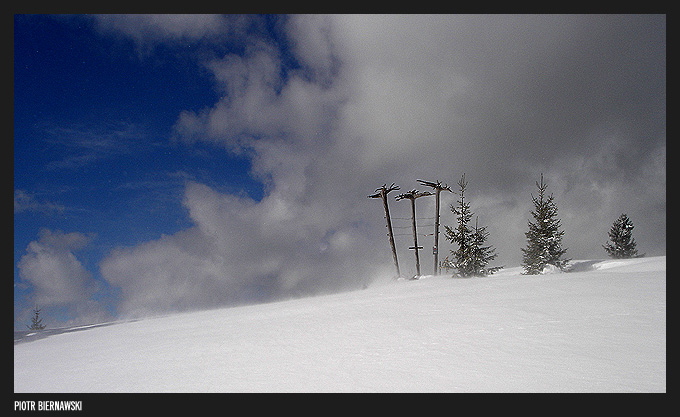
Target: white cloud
[58,282]
[238,251]
[382,99]
[57,277]
[312,41]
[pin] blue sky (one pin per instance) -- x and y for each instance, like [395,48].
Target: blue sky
[92,126]
[173,162]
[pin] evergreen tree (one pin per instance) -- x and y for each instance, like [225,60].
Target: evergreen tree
[471,258]
[36,321]
[622,242]
[544,239]
[480,255]
[461,234]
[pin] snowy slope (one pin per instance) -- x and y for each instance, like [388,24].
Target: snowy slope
[599,328]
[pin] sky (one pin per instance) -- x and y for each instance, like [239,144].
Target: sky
[167,163]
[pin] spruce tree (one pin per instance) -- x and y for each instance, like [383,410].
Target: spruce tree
[480,255]
[622,242]
[36,321]
[544,238]
[471,258]
[461,234]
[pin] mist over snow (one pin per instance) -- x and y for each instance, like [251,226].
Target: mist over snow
[599,328]
[239,251]
[325,109]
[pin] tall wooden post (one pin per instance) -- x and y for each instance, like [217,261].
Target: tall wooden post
[412,195]
[438,187]
[415,247]
[382,193]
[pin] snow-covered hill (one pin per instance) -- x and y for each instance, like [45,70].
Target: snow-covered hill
[599,328]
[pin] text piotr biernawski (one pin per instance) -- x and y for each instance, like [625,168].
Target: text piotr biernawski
[48,405]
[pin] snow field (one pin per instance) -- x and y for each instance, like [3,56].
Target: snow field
[600,329]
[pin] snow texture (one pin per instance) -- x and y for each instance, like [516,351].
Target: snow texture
[599,328]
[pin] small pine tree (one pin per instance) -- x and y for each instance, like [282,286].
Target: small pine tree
[622,242]
[544,239]
[480,255]
[471,258]
[36,321]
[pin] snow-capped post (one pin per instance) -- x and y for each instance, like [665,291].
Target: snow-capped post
[382,193]
[438,187]
[412,195]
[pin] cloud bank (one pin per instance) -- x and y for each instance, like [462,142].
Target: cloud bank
[58,279]
[358,101]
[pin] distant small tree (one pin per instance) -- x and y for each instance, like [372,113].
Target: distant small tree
[36,321]
[622,242]
[544,238]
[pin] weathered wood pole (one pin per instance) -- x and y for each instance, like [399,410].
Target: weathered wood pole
[382,193]
[412,195]
[438,187]
[415,247]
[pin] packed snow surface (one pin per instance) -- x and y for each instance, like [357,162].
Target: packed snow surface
[599,328]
